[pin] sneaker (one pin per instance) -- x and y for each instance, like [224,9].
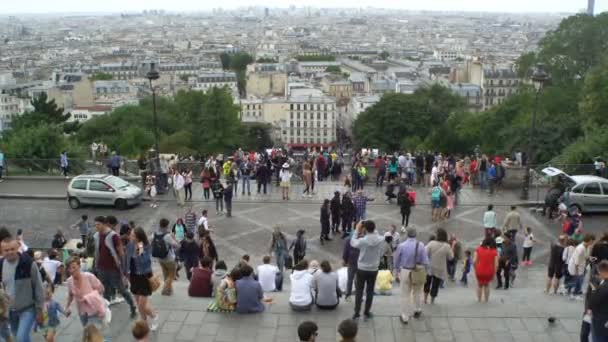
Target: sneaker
[154,323]
[347,298]
[133,313]
[368,316]
[404,319]
[417,314]
[356,317]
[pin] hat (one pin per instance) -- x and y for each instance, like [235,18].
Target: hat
[411,232]
[286,166]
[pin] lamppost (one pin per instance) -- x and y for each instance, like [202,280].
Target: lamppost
[153,75]
[539,78]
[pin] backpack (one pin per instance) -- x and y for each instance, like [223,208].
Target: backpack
[159,246]
[436,193]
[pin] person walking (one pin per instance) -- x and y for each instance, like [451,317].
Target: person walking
[380,165]
[485,263]
[63,160]
[218,194]
[22,284]
[139,260]
[512,223]
[405,205]
[334,208]
[114,163]
[228,197]
[527,245]
[187,175]
[163,249]
[278,247]
[86,290]
[109,253]
[409,266]
[371,247]
[507,261]
[324,217]
[489,222]
[178,186]
[440,253]
[457,250]
[299,247]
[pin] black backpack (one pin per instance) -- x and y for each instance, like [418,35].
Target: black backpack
[159,246]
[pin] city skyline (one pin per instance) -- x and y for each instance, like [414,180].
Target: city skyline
[116,6]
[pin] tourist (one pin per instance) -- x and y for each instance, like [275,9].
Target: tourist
[53,267]
[24,290]
[218,194]
[528,244]
[246,171]
[348,330]
[566,257]
[347,208]
[360,202]
[507,263]
[578,262]
[83,228]
[140,331]
[326,287]
[47,281]
[91,333]
[485,262]
[228,196]
[189,253]
[489,222]
[187,175]
[114,164]
[151,190]
[307,331]
[466,267]
[597,304]
[163,249]
[249,293]
[52,309]
[380,165]
[457,250]
[178,186]
[324,217]
[267,275]
[300,298]
[278,247]
[1,165]
[220,272]
[436,194]
[334,208]
[203,222]
[384,281]
[370,245]
[285,176]
[307,178]
[299,247]
[392,169]
[225,297]
[262,176]
[556,264]
[439,252]
[139,257]
[350,258]
[109,252]
[512,223]
[405,205]
[200,283]
[390,191]
[64,163]
[208,247]
[86,290]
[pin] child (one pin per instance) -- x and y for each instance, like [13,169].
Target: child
[140,331]
[578,235]
[528,244]
[51,316]
[466,267]
[384,283]
[450,197]
[566,256]
[83,228]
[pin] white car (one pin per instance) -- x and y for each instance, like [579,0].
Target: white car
[102,190]
[587,193]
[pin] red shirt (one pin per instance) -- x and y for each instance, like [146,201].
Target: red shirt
[106,261]
[473,166]
[200,283]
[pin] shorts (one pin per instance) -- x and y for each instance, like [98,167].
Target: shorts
[285,184]
[435,204]
[555,271]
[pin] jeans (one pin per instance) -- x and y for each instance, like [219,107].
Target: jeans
[228,207]
[188,191]
[91,320]
[483,179]
[279,256]
[380,179]
[503,267]
[350,278]
[22,323]
[411,177]
[219,204]
[365,279]
[405,218]
[246,182]
[410,295]
[260,185]
[465,278]
[359,216]
[452,268]
[206,193]
[577,283]
[168,267]
[113,280]
[432,285]
[527,252]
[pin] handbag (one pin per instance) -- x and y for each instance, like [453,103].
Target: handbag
[418,273]
[154,281]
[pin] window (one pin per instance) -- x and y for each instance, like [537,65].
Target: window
[291,115]
[290,123]
[318,123]
[291,106]
[304,117]
[298,116]
[81,184]
[318,116]
[298,107]
[95,185]
[324,116]
[304,123]
[605,187]
[298,132]
[592,189]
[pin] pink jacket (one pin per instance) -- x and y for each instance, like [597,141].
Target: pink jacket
[88,296]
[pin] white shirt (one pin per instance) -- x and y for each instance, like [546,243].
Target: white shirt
[285,175]
[51,266]
[529,241]
[301,287]
[434,172]
[489,219]
[178,181]
[203,221]
[342,278]
[576,264]
[267,274]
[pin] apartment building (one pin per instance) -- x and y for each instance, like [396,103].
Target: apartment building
[10,107]
[310,121]
[207,80]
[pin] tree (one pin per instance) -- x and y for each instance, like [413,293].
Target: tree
[44,141]
[384,55]
[237,62]
[101,76]
[316,58]
[256,136]
[334,69]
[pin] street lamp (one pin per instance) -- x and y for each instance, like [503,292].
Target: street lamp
[539,78]
[153,75]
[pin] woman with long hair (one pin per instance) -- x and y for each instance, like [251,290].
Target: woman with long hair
[307,178]
[139,257]
[325,221]
[485,262]
[208,247]
[439,252]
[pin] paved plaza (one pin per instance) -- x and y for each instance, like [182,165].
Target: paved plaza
[519,314]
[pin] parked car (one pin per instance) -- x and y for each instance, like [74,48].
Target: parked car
[103,190]
[587,193]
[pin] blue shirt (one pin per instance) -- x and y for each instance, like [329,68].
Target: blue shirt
[53,309]
[1,159]
[405,252]
[249,296]
[64,160]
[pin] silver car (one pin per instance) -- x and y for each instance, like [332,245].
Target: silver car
[103,190]
[588,193]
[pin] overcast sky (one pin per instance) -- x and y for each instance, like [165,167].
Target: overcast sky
[48,6]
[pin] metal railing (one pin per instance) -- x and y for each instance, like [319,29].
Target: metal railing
[52,167]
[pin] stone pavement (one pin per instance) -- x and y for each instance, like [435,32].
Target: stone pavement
[519,314]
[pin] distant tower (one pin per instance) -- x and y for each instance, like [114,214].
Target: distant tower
[590,7]
[266,12]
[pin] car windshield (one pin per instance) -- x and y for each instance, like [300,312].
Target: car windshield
[116,182]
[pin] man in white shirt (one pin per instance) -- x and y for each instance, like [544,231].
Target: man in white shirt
[267,275]
[578,262]
[51,265]
[203,221]
[178,185]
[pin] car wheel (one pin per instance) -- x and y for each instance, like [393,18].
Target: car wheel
[121,204]
[74,203]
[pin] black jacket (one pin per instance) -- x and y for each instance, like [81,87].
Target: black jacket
[334,206]
[348,209]
[324,215]
[404,202]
